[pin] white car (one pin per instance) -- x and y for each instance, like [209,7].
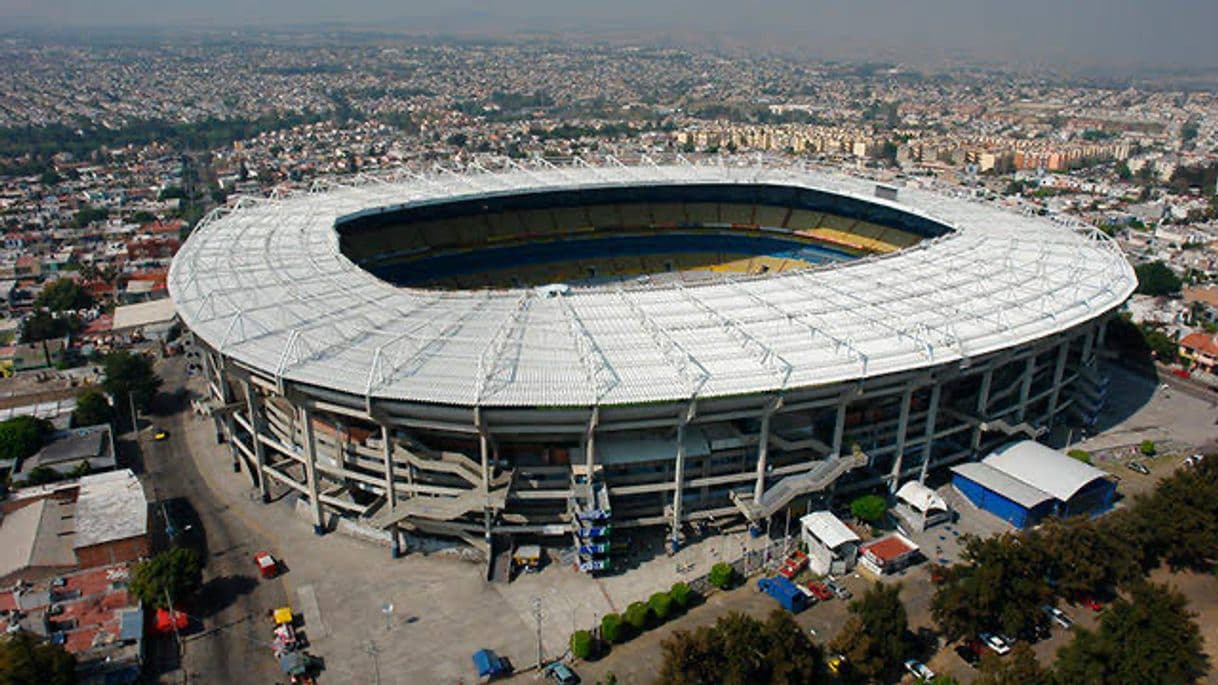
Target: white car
[995,643]
[1058,616]
[919,670]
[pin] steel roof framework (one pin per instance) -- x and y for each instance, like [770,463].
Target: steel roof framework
[263,282]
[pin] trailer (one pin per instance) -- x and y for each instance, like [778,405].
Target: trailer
[787,594]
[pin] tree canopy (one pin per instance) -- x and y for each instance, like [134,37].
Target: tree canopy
[22,436]
[998,586]
[63,295]
[178,571]
[42,325]
[26,660]
[92,408]
[869,508]
[130,373]
[1151,638]
[1155,278]
[875,639]
[741,650]
[1020,667]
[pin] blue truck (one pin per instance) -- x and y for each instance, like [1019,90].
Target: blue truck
[785,592]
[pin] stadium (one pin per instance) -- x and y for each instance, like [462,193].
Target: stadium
[557,351]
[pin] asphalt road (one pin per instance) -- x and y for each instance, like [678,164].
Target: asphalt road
[228,640]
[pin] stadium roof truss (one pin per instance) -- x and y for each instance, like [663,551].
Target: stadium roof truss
[263,282]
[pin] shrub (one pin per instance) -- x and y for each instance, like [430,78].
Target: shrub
[1081,455]
[661,606]
[636,616]
[680,594]
[721,575]
[869,508]
[1147,448]
[611,628]
[581,644]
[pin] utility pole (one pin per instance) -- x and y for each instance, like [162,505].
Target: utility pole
[135,426]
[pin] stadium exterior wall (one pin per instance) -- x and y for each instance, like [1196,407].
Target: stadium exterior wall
[355,459]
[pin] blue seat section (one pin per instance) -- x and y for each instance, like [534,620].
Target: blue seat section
[574,249]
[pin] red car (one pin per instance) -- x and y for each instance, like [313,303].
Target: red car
[819,591]
[1090,602]
[267,566]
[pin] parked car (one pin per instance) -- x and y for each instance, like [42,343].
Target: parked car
[919,670]
[1090,602]
[1058,616]
[995,643]
[819,591]
[560,673]
[967,655]
[1139,467]
[839,590]
[159,433]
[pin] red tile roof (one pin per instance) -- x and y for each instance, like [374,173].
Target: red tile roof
[1201,342]
[888,548]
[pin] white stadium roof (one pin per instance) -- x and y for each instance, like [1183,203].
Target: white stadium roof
[264,283]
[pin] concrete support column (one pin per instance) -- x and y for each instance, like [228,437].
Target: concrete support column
[679,477]
[1059,372]
[484,451]
[983,407]
[254,407]
[839,428]
[894,479]
[1088,356]
[391,493]
[1025,389]
[763,445]
[932,416]
[590,451]
[1102,333]
[310,449]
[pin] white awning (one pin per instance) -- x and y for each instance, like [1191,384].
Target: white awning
[920,497]
[828,528]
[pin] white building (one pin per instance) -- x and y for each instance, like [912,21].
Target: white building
[832,546]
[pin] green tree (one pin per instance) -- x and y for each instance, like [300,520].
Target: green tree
[680,594]
[581,644]
[26,660]
[998,585]
[22,436]
[178,571]
[869,508]
[636,615]
[875,639]
[63,295]
[128,373]
[92,408]
[660,605]
[42,325]
[1020,667]
[1155,278]
[721,575]
[1083,557]
[611,628]
[1147,448]
[741,650]
[1151,638]
[1081,455]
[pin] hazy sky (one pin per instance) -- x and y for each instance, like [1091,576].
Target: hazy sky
[1059,32]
